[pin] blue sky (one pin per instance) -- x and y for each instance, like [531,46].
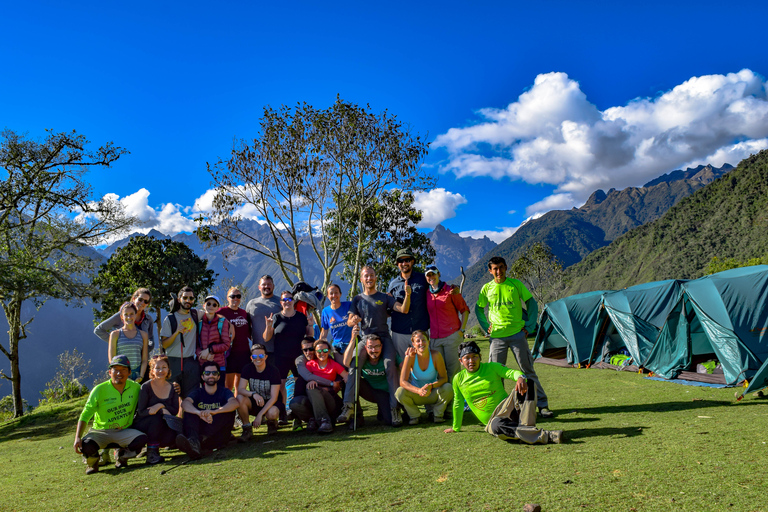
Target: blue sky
[531,106]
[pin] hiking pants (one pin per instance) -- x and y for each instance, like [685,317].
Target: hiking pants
[519,346]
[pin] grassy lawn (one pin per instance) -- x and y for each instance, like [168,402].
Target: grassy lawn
[631,444]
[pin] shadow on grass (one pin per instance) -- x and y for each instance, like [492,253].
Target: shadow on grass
[578,435]
[687,405]
[43,424]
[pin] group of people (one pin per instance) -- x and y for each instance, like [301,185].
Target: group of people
[402,350]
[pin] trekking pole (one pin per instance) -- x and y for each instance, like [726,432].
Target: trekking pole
[357,383]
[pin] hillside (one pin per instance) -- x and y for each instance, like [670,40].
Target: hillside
[573,234]
[454,251]
[727,218]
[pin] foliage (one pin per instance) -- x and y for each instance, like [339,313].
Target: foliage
[474,332]
[717,265]
[162,266]
[67,383]
[7,407]
[304,164]
[540,272]
[47,221]
[387,227]
[728,216]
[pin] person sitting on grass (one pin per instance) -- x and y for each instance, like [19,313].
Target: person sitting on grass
[259,393]
[300,406]
[373,386]
[111,404]
[156,414]
[326,403]
[209,415]
[423,380]
[505,416]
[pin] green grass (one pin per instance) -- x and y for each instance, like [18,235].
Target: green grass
[632,444]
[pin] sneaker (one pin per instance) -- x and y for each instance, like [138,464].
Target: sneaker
[556,436]
[439,419]
[346,412]
[312,425]
[105,459]
[238,422]
[189,446]
[296,424]
[93,465]
[153,456]
[122,457]
[142,453]
[247,434]
[325,426]
[272,427]
[397,420]
[545,412]
[290,416]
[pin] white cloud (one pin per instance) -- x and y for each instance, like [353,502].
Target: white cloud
[553,135]
[496,236]
[436,206]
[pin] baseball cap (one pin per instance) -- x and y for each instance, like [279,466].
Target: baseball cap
[121,360]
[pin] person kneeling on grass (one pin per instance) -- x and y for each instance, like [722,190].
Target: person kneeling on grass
[505,416]
[326,403]
[111,404]
[259,393]
[423,380]
[373,385]
[209,415]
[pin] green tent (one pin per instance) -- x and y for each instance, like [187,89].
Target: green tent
[630,320]
[722,316]
[566,330]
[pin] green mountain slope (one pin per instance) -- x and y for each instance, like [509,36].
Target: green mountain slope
[727,218]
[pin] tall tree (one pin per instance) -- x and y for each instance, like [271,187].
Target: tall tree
[163,266]
[541,272]
[388,226]
[47,219]
[304,164]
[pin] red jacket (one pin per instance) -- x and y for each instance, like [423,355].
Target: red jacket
[210,338]
[444,309]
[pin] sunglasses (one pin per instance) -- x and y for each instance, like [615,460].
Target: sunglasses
[307,350]
[188,299]
[211,304]
[405,260]
[323,350]
[235,296]
[142,300]
[208,372]
[258,356]
[287,299]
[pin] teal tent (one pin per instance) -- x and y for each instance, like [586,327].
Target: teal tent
[630,321]
[722,316]
[566,330]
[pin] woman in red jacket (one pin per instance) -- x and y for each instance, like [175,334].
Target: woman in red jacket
[215,337]
[448,314]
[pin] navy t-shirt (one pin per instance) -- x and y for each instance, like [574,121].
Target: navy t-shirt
[374,310]
[417,318]
[203,401]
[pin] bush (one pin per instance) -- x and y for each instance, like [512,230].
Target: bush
[66,384]
[6,407]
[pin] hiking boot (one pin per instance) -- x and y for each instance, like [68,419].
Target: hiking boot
[546,413]
[122,457]
[247,434]
[413,421]
[397,420]
[312,425]
[142,453]
[93,465]
[272,427]
[105,459]
[282,419]
[153,456]
[290,416]
[555,436]
[438,419]
[346,412]
[325,426]
[189,446]
[296,424]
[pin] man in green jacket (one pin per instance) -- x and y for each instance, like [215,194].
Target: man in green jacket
[111,404]
[507,417]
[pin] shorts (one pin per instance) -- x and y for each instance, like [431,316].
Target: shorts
[256,408]
[237,361]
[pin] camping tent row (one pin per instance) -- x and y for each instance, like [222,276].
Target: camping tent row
[666,327]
